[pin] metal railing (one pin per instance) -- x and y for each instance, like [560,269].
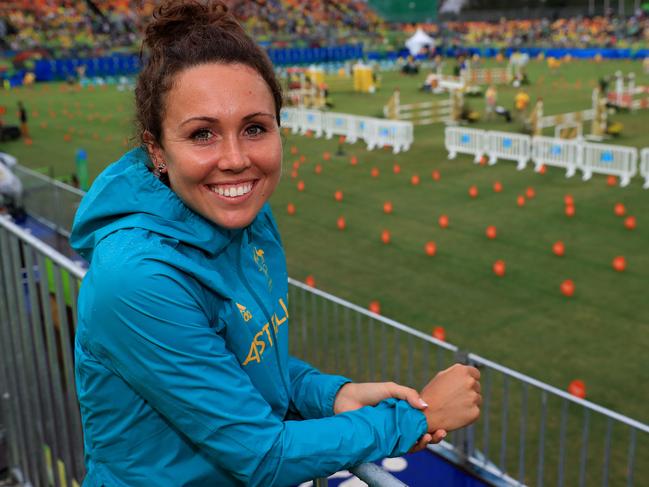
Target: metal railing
[51,202]
[38,405]
[529,432]
[38,402]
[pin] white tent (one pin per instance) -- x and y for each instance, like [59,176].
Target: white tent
[418,40]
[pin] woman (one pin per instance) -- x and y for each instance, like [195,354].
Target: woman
[182,364]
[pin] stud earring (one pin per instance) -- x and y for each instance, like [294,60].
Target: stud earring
[159,169]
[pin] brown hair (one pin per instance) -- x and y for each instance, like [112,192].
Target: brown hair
[187,33]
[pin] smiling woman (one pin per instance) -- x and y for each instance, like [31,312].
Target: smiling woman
[221,147]
[181,354]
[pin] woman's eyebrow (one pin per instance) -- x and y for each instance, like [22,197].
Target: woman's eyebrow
[208,119]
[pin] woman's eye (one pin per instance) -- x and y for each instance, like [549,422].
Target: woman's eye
[202,135]
[254,130]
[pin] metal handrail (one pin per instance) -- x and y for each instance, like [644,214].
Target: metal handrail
[369,473]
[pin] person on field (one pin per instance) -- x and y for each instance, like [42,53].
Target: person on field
[181,353]
[22,114]
[521,104]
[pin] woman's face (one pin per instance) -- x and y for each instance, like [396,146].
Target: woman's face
[221,142]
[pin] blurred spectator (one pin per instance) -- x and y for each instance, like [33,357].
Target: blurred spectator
[11,189]
[69,28]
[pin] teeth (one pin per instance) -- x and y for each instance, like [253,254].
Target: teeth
[232,191]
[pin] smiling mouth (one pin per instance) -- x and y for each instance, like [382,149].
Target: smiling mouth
[231,190]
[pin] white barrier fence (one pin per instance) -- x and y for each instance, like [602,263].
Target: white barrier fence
[570,154]
[465,141]
[375,132]
[340,124]
[550,151]
[644,167]
[512,147]
[610,159]
[311,121]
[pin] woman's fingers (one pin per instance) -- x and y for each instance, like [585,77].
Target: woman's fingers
[421,443]
[438,436]
[407,394]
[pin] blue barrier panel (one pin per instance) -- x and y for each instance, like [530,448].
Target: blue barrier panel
[44,70]
[17,79]
[585,53]
[641,54]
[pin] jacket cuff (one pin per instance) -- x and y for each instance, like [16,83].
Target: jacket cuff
[336,383]
[411,423]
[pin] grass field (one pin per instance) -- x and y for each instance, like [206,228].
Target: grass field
[521,320]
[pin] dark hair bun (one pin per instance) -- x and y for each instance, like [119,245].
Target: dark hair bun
[176,19]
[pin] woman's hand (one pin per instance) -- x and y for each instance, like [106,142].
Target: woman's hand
[454,398]
[354,396]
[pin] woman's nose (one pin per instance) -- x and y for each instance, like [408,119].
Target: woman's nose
[233,155]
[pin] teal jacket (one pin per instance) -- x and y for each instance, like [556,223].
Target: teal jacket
[182,365]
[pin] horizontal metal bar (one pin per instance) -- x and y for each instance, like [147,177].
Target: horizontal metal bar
[558,392]
[372,474]
[383,319]
[59,259]
[49,180]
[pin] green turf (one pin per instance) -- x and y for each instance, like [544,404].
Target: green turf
[521,320]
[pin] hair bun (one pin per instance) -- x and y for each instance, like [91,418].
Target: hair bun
[175,19]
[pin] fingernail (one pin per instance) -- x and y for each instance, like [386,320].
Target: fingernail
[444,435]
[423,403]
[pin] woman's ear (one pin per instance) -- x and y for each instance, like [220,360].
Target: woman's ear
[153,149]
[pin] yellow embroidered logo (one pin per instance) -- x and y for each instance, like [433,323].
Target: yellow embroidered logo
[258,345]
[247,315]
[258,256]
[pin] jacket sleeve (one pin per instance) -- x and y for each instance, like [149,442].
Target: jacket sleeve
[155,334]
[313,393]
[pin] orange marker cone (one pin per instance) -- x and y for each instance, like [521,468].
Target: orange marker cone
[630,222]
[443,221]
[567,288]
[577,388]
[619,263]
[440,333]
[340,223]
[499,268]
[430,248]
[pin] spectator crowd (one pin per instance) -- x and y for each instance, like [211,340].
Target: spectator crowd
[69,28]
